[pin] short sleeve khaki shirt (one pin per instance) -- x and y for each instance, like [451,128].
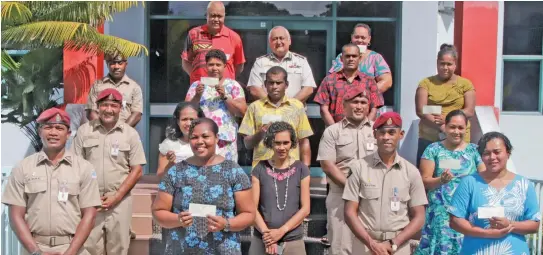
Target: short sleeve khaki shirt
[96,145]
[343,142]
[298,70]
[35,184]
[372,185]
[131,91]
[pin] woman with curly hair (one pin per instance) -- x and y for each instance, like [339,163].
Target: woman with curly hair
[281,193]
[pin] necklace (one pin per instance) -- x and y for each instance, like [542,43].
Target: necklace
[276,190]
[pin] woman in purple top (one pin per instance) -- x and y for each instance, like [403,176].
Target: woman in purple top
[281,193]
[372,63]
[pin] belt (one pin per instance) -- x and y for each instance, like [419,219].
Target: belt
[382,236]
[53,240]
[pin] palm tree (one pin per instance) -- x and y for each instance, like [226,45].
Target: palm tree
[31,84]
[67,24]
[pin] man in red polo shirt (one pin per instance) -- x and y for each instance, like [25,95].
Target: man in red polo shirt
[333,87]
[213,35]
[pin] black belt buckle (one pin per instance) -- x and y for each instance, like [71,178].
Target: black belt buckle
[52,241]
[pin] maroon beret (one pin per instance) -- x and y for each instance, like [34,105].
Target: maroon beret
[111,94]
[54,116]
[388,119]
[354,92]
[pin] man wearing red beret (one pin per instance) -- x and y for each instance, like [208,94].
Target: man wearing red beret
[132,104]
[382,191]
[341,143]
[56,190]
[115,149]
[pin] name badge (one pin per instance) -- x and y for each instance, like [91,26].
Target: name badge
[489,212]
[202,210]
[395,200]
[63,192]
[115,149]
[370,146]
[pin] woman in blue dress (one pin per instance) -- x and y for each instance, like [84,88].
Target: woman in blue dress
[441,177]
[205,179]
[495,208]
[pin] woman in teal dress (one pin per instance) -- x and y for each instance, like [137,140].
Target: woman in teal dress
[510,202]
[442,166]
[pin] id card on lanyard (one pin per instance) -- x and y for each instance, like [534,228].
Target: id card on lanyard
[395,200]
[115,148]
[63,191]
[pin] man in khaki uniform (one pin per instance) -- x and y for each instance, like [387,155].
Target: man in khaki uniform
[300,77]
[132,104]
[115,150]
[382,191]
[57,191]
[341,143]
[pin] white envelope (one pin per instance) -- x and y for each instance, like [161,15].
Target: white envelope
[489,212]
[431,109]
[268,118]
[201,210]
[210,81]
[449,164]
[163,148]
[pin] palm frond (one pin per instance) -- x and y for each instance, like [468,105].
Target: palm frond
[15,13]
[8,62]
[89,12]
[100,43]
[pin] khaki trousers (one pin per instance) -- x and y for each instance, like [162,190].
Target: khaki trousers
[296,247]
[52,249]
[111,232]
[361,249]
[339,234]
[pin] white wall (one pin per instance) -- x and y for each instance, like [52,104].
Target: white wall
[15,146]
[445,28]
[419,29]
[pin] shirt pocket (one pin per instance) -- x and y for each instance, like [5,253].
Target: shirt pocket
[404,197]
[124,153]
[295,77]
[74,189]
[90,146]
[35,186]
[369,193]
[345,147]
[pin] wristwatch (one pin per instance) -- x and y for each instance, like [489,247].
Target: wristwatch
[393,245]
[227,226]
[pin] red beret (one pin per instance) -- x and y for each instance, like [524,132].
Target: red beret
[54,116]
[354,92]
[111,94]
[391,119]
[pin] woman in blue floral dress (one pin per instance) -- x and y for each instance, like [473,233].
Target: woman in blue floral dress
[442,166]
[508,201]
[205,179]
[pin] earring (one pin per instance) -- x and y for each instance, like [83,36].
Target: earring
[369,44]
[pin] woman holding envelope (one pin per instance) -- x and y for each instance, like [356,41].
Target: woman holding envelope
[281,193]
[205,200]
[176,146]
[440,94]
[442,166]
[495,208]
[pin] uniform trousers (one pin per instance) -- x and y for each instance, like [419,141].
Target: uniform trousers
[339,234]
[296,247]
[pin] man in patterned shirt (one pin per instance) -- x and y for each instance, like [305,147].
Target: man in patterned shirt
[276,107]
[333,87]
[213,35]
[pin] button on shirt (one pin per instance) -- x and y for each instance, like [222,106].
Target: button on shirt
[335,85]
[35,184]
[298,70]
[291,111]
[344,142]
[199,41]
[131,91]
[94,143]
[372,185]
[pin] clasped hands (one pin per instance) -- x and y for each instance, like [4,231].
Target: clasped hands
[214,223]
[270,237]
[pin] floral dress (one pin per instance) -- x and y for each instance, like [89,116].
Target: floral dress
[437,236]
[215,108]
[213,185]
[520,204]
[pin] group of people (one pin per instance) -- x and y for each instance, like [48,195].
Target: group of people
[459,198]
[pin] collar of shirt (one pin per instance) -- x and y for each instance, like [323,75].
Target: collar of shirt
[396,164]
[284,100]
[125,80]
[341,75]
[223,32]
[288,56]
[346,123]
[67,157]
[98,123]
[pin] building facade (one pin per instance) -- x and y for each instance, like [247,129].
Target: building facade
[500,46]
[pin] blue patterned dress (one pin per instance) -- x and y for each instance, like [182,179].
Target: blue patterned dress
[214,185]
[519,201]
[437,237]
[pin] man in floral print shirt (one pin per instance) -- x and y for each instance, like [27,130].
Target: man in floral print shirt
[221,103]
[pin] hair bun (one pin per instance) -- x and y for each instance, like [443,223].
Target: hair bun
[447,46]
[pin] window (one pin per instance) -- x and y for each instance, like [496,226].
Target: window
[523,56]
